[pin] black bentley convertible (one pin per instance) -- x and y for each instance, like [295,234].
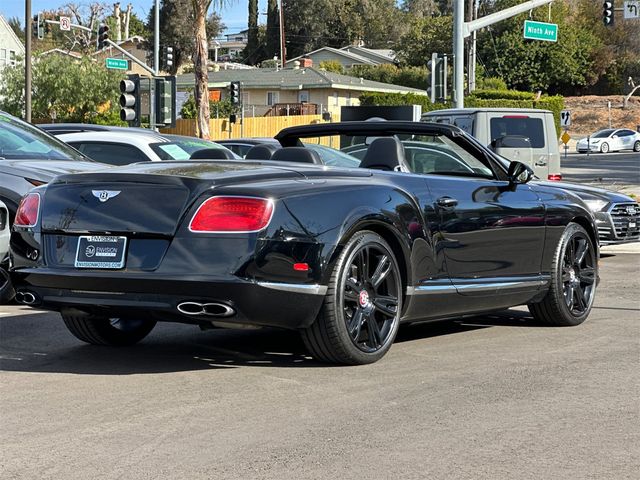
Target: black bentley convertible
[344,255]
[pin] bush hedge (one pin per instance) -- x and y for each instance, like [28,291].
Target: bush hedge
[480,99]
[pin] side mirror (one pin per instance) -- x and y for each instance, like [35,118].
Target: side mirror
[519,173]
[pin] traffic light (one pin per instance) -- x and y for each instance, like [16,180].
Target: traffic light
[103,36]
[167,58]
[38,20]
[130,100]
[234,93]
[165,101]
[437,78]
[607,13]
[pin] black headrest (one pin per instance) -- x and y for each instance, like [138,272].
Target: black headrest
[262,151]
[297,154]
[385,153]
[213,154]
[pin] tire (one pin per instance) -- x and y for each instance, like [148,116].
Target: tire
[116,332]
[604,148]
[359,319]
[573,281]
[636,146]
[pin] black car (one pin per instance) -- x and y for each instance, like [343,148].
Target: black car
[342,255]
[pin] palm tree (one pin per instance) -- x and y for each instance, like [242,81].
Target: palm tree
[201,54]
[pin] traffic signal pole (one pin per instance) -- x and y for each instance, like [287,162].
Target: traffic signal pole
[27,61]
[462,30]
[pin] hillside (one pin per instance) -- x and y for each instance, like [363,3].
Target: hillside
[591,113]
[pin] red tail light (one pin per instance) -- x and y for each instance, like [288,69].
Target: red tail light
[27,214]
[556,177]
[232,214]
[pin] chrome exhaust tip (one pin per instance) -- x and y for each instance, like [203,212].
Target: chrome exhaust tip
[213,309]
[27,298]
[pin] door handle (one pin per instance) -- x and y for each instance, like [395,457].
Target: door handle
[446,202]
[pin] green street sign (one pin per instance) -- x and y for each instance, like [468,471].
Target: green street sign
[117,63]
[540,31]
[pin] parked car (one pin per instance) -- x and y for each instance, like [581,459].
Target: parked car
[524,134]
[29,157]
[610,140]
[122,147]
[328,156]
[343,255]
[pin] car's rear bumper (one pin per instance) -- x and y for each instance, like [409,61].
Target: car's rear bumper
[116,294]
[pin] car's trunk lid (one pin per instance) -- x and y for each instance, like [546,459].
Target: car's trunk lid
[139,199]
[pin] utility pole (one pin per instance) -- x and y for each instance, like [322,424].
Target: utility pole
[283,52]
[462,30]
[156,38]
[27,60]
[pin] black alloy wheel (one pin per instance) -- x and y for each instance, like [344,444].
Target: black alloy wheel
[370,297]
[578,274]
[574,276]
[361,313]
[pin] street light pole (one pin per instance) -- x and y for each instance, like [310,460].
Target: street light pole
[27,61]
[458,52]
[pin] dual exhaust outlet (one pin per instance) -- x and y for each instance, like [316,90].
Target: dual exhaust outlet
[213,309]
[26,298]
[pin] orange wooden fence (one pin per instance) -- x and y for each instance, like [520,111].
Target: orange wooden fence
[253,126]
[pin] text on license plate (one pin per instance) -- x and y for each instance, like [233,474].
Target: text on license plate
[101,251]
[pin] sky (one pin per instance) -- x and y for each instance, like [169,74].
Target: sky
[234,16]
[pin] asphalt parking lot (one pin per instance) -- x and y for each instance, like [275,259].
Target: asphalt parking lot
[493,397]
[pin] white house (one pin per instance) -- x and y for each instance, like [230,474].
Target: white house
[11,48]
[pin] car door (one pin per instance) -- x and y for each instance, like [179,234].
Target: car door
[492,233]
[625,138]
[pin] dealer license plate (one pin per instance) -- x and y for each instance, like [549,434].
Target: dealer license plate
[101,251]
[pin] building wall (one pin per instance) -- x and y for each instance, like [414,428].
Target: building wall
[10,47]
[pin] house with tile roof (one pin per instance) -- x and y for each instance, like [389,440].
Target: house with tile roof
[292,91]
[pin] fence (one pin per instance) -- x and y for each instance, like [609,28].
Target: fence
[220,128]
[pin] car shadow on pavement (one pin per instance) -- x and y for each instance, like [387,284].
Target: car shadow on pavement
[40,343]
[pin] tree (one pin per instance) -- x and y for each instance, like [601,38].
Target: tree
[566,66]
[253,51]
[272,40]
[16,26]
[177,21]
[87,92]
[426,35]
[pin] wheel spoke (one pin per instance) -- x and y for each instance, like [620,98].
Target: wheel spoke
[351,295]
[569,254]
[580,300]
[355,324]
[568,296]
[363,264]
[386,305]
[581,251]
[375,337]
[587,275]
[566,276]
[381,272]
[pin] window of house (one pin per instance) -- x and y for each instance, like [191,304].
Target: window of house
[272,98]
[12,58]
[3,56]
[303,96]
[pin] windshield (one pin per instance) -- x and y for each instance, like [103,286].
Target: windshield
[602,134]
[21,141]
[181,149]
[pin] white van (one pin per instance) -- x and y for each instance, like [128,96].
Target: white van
[523,134]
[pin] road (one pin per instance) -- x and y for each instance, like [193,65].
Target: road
[616,171]
[493,397]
